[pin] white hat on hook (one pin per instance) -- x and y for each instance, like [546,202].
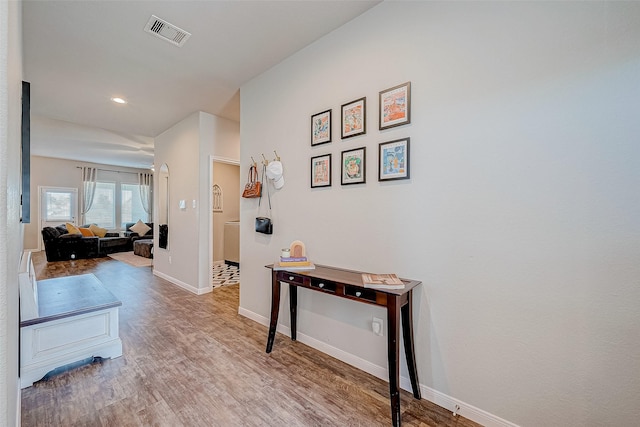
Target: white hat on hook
[274,172]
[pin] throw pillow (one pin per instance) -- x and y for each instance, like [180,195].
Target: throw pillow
[140,227]
[86,232]
[72,229]
[98,231]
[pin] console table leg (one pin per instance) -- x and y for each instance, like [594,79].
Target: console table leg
[293,310]
[275,307]
[409,350]
[393,352]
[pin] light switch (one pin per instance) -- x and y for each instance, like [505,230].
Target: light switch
[182,204]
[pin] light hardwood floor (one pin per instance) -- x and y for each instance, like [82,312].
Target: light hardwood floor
[193,361]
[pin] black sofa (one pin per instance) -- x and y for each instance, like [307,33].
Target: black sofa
[135,236]
[59,245]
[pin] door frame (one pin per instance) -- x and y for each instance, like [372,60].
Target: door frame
[210,245]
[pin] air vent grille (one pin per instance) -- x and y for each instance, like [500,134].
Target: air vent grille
[166,31]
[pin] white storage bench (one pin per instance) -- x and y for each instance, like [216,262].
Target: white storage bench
[64,320]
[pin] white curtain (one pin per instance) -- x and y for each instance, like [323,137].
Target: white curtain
[89,177]
[145,180]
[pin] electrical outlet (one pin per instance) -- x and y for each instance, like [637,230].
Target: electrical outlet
[376,326]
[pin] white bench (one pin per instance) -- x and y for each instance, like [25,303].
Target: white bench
[64,320]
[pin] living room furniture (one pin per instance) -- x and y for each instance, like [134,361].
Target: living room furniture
[348,284]
[143,248]
[110,245]
[60,245]
[63,321]
[135,236]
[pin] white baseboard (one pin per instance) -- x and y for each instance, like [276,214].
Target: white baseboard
[461,408]
[183,285]
[18,405]
[464,409]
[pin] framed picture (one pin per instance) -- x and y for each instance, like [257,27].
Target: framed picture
[217,198]
[393,160]
[395,106]
[321,171]
[353,166]
[354,118]
[321,128]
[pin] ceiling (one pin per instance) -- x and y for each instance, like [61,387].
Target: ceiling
[80,54]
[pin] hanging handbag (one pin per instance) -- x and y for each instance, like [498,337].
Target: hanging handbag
[263,223]
[253,187]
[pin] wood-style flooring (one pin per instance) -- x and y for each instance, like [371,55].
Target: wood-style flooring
[193,361]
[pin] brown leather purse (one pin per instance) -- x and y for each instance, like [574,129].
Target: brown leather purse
[253,187]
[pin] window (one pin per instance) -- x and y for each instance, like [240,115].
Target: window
[103,210]
[115,204]
[131,205]
[58,206]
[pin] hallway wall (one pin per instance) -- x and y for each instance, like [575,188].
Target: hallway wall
[521,216]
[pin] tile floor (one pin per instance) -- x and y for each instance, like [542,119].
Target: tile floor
[225,274]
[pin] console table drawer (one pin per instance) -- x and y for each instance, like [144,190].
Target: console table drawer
[324,285]
[287,276]
[367,295]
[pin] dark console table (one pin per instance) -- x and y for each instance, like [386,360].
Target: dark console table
[348,284]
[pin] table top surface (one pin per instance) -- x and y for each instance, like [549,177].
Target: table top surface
[350,277]
[69,296]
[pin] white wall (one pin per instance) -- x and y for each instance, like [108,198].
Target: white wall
[10,227]
[521,217]
[178,148]
[186,148]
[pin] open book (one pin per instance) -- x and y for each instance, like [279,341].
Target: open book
[381,281]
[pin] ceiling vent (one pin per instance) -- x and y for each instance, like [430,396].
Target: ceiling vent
[162,29]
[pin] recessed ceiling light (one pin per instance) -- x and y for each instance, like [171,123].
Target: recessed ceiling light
[118,100]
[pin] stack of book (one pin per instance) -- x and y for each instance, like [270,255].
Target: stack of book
[381,281]
[294,263]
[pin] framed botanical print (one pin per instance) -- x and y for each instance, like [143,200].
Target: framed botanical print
[393,160]
[353,166]
[395,106]
[354,118]
[321,171]
[321,128]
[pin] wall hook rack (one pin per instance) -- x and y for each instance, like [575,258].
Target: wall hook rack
[277,157]
[265,161]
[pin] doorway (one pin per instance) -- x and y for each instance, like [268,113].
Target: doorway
[58,205]
[225,224]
